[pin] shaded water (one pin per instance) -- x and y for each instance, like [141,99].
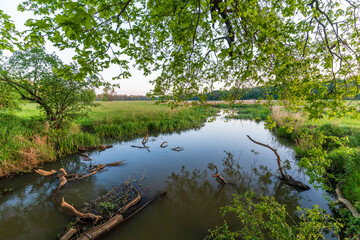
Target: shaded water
[194,198]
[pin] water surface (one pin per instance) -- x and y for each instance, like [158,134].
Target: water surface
[194,198]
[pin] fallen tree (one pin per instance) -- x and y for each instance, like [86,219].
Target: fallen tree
[116,206]
[287,178]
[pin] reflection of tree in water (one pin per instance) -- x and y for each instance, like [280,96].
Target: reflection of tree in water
[197,197]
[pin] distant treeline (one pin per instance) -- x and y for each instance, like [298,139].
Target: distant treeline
[244,94]
[105,97]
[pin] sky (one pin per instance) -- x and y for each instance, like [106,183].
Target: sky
[138,84]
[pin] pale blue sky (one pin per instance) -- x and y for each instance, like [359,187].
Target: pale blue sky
[138,84]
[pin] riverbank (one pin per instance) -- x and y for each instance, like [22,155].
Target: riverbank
[27,141]
[328,150]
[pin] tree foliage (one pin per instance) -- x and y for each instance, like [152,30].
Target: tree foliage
[42,78]
[264,218]
[299,47]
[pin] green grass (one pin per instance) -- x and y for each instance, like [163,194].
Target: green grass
[26,139]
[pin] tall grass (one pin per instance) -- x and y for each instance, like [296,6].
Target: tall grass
[27,141]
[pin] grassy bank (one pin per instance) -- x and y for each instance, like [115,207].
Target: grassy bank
[328,149]
[27,141]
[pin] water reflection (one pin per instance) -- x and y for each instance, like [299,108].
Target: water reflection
[194,197]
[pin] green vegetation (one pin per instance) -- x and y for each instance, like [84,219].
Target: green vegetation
[264,218]
[60,91]
[256,112]
[27,139]
[329,152]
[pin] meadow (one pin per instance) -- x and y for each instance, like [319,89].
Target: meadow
[27,141]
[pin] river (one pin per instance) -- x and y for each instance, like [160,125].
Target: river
[193,199]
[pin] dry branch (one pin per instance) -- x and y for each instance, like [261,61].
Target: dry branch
[347,203]
[85,155]
[69,234]
[219,178]
[273,149]
[75,212]
[107,226]
[62,178]
[45,173]
[130,204]
[164,146]
[290,180]
[145,139]
[93,170]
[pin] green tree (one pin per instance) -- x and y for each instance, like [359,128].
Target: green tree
[9,98]
[59,89]
[264,218]
[299,47]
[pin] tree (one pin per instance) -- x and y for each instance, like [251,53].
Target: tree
[298,47]
[59,89]
[8,97]
[264,218]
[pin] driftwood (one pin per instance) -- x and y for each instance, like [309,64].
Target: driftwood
[69,234]
[219,178]
[347,203]
[45,173]
[75,212]
[100,147]
[114,221]
[62,178]
[290,180]
[144,146]
[164,146]
[130,204]
[178,149]
[145,139]
[85,158]
[93,170]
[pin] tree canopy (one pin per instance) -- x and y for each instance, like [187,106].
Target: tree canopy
[42,78]
[299,47]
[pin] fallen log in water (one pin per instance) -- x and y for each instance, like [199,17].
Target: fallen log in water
[219,178]
[45,173]
[164,146]
[291,181]
[93,170]
[62,178]
[69,234]
[114,221]
[72,210]
[178,149]
[117,205]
